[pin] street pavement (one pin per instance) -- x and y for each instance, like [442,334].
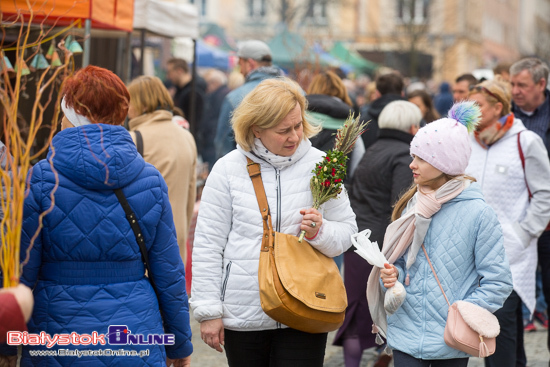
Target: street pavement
[204,356]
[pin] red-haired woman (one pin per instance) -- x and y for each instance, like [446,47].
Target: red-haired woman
[86,266]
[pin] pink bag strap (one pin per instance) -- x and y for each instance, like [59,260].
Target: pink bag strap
[436,278]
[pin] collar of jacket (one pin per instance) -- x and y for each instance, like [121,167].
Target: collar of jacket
[153,117]
[396,134]
[263,73]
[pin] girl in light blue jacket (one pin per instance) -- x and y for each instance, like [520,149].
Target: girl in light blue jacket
[445,211]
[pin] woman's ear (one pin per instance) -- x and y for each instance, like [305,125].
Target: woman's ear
[498,108]
[256,131]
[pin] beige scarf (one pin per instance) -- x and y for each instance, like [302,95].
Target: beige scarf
[408,231]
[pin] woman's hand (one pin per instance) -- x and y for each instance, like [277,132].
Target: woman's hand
[180,362]
[389,275]
[311,222]
[212,333]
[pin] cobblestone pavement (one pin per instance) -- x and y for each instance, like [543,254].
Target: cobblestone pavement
[204,356]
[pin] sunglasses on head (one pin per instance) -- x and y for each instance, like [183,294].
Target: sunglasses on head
[480,88]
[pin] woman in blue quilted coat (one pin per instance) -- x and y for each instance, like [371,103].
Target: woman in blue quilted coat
[442,219]
[85,265]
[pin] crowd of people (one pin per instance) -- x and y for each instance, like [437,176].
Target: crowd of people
[454,187]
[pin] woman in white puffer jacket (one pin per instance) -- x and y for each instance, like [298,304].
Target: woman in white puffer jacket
[271,129]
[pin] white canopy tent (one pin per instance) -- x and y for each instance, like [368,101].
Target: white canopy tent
[171,19]
[166,18]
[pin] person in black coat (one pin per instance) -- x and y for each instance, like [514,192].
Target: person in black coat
[179,74]
[389,87]
[217,89]
[381,176]
[329,105]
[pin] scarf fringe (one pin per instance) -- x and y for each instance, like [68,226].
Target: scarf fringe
[379,340]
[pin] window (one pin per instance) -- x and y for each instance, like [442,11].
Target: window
[317,10]
[413,11]
[201,5]
[256,8]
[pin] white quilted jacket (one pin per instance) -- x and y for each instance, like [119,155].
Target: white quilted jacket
[503,183]
[229,230]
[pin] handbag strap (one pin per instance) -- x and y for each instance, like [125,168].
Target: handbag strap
[131,217]
[139,142]
[254,171]
[436,278]
[522,157]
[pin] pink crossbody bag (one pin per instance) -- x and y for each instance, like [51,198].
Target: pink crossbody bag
[469,328]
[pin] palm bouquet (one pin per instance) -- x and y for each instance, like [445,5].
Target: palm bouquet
[326,182]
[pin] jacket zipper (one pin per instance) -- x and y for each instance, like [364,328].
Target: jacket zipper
[224,285]
[278,176]
[278,224]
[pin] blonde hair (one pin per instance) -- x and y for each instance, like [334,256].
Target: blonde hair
[148,94]
[499,88]
[330,84]
[404,199]
[266,106]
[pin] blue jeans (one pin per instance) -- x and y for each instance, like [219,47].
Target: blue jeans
[401,359]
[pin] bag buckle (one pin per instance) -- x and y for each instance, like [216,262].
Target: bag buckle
[255,172]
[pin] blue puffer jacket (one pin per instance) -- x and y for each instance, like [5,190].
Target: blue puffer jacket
[464,243]
[85,266]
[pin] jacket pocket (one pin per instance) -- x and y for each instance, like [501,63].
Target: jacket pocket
[226,278]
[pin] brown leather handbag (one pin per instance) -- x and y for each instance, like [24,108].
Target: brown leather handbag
[299,286]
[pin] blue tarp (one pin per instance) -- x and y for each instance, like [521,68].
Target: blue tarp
[211,57]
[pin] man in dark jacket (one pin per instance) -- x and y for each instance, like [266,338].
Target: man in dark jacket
[390,88]
[217,89]
[179,75]
[255,65]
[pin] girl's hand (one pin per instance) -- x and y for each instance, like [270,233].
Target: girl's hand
[389,275]
[311,222]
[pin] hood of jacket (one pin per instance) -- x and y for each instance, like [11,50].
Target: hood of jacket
[472,192]
[97,156]
[328,105]
[264,72]
[444,87]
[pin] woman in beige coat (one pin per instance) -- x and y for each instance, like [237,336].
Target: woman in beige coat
[167,146]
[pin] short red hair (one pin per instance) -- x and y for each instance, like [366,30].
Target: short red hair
[97,94]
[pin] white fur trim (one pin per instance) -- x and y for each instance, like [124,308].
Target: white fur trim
[479,319]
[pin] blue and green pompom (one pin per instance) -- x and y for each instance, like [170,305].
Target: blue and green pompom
[467,113]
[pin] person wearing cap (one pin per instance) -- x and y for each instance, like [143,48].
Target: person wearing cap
[272,131]
[519,191]
[444,216]
[84,263]
[255,64]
